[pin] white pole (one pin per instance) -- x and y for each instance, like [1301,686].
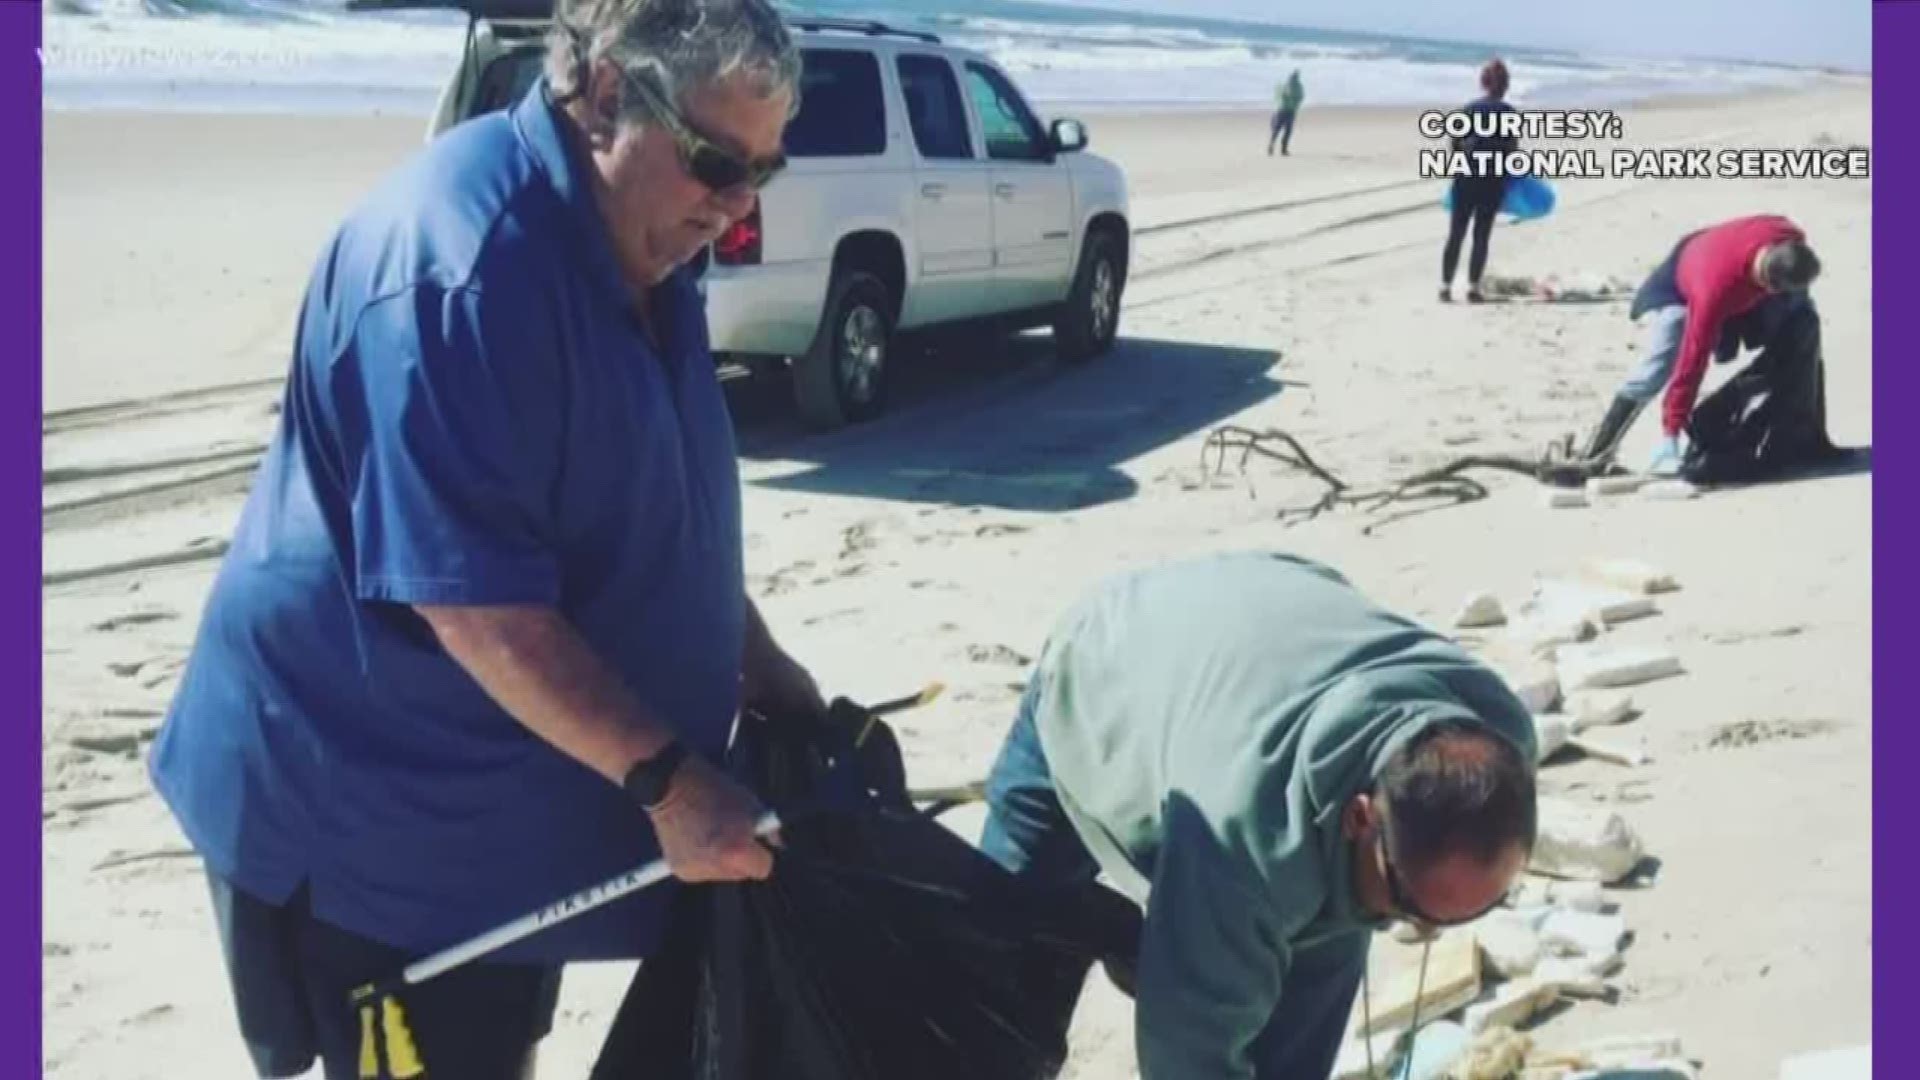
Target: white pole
[559,911]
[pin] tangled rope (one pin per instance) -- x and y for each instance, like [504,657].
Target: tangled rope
[1556,465]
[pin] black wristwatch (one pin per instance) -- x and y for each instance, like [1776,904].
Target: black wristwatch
[648,780]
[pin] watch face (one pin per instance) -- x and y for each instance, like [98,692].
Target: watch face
[649,779]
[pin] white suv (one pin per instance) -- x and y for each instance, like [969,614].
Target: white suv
[923,192]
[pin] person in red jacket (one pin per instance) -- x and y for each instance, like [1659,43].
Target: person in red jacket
[1742,281]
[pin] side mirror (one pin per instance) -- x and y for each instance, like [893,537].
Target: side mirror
[1069,136]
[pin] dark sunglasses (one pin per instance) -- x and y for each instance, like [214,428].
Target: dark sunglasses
[1402,897]
[716,169]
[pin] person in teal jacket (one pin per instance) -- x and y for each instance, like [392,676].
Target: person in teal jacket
[1286,109]
[1276,767]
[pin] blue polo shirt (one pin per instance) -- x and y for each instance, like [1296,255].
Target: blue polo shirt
[474,416]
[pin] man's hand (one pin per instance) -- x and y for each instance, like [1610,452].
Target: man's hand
[1667,456]
[706,827]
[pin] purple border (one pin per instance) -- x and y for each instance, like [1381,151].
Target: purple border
[20,569]
[1896,231]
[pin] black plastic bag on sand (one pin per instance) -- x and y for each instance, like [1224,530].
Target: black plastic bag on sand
[1754,428]
[884,947]
[1770,420]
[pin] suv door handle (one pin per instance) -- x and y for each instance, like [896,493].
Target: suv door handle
[933,191]
[1005,191]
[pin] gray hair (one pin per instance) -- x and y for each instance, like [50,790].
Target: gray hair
[678,45]
[1789,266]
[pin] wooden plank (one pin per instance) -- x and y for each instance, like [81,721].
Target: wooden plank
[1453,982]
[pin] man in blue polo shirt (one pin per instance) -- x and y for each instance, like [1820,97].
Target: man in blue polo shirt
[490,574]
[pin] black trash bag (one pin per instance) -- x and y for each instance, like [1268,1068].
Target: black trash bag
[1770,419]
[884,947]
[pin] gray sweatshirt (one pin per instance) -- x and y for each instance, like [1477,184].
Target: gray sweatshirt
[1206,722]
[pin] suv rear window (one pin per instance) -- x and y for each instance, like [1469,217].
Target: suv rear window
[842,110]
[508,79]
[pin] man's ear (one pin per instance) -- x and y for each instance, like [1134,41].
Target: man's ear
[603,102]
[1360,819]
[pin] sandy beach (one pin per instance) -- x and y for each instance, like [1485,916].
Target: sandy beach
[939,542]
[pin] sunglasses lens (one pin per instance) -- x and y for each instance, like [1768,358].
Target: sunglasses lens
[717,170]
[721,171]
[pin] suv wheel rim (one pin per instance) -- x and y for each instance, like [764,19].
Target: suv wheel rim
[1100,301]
[863,349]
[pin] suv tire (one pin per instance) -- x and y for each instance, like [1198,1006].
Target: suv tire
[1090,319]
[842,378]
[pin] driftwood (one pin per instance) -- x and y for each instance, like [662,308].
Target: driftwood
[1556,465]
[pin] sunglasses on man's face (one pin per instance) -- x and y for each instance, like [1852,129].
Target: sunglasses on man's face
[717,169]
[1402,897]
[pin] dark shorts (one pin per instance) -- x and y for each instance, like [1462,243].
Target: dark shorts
[293,979]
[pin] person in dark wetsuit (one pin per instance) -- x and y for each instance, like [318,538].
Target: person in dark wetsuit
[1477,198]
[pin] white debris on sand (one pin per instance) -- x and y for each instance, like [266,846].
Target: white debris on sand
[1577,970]
[1584,843]
[1550,944]
[1579,896]
[1564,601]
[1670,491]
[1512,1005]
[1582,933]
[1560,940]
[1541,634]
[1631,575]
[1598,708]
[1479,611]
[1629,756]
[1665,1069]
[1601,487]
[1551,734]
[1656,1051]
[1580,287]
[1604,667]
[1496,1054]
[1509,943]
[1536,684]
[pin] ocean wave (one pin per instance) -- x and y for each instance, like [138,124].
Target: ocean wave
[1175,41]
[262,11]
[314,54]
